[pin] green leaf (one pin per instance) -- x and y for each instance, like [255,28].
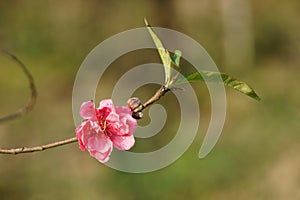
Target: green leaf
[163,53]
[228,81]
[176,57]
[175,63]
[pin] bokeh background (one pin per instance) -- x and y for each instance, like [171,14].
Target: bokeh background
[257,156]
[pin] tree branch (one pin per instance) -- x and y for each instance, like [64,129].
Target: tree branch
[22,111]
[37,148]
[159,93]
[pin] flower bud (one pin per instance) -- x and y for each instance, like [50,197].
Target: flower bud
[134,104]
[137,115]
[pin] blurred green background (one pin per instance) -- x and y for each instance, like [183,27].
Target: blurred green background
[257,156]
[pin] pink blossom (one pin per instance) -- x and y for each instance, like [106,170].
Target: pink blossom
[105,127]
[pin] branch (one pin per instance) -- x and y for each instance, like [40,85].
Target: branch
[37,148]
[27,108]
[159,93]
[137,106]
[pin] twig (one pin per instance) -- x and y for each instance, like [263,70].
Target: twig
[37,148]
[161,92]
[22,111]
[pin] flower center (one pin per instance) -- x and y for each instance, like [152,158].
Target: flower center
[103,125]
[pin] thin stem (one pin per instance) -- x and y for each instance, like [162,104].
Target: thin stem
[159,93]
[37,148]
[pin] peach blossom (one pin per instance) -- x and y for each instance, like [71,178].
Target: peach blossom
[105,127]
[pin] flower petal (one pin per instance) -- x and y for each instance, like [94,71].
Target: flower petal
[99,142]
[88,111]
[86,130]
[123,110]
[122,142]
[106,103]
[101,157]
[79,133]
[121,122]
[112,117]
[126,119]
[118,128]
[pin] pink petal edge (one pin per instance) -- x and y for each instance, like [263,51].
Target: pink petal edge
[106,103]
[87,110]
[123,142]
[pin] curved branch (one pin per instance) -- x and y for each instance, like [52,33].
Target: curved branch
[37,148]
[159,93]
[22,111]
